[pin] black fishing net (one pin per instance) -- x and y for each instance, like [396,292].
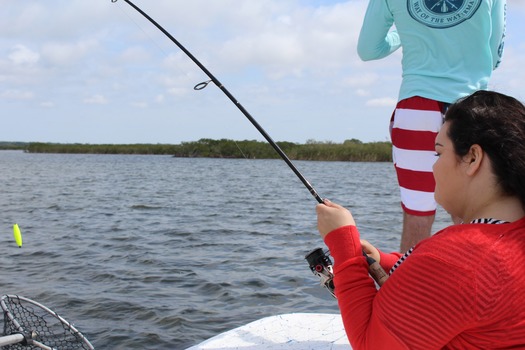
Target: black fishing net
[39,325]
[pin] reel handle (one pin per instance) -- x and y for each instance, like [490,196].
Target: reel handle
[321,266]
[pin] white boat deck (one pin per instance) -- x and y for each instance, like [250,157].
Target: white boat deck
[287,331]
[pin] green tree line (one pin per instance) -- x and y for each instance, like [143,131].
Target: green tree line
[4,145]
[350,150]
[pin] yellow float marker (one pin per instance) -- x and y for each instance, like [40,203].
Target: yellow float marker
[18,235]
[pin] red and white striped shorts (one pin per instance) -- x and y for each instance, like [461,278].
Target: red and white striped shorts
[413,129]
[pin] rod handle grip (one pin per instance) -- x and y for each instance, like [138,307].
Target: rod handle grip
[375,270]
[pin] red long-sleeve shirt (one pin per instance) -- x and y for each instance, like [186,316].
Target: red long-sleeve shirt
[463,288]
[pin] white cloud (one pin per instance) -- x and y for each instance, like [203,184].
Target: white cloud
[23,55]
[17,95]
[362,92]
[140,104]
[302,39]
[135,54]
[47,104]
[67,53]
[160,98]
[174,91]
[382,102]
[361,80]
[96,100]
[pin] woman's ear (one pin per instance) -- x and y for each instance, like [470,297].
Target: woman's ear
[474,159]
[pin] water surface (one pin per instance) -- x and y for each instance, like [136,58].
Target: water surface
[156,252]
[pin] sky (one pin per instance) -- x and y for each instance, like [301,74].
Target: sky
[95,71]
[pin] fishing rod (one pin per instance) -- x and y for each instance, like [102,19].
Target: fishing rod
[375,270]
[202,85]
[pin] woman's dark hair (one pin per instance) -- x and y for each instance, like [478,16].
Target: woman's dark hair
[496,122]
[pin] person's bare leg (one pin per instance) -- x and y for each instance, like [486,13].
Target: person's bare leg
[415,229]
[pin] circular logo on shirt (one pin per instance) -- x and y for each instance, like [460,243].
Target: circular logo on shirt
[442,13]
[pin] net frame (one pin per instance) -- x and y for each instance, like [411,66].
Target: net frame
[31,325]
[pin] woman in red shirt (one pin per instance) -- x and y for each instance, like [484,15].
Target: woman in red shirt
[463,288]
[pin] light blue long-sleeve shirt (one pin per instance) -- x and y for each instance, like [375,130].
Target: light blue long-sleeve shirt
[450,47]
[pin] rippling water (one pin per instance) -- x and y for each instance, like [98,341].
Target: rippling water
[155,252]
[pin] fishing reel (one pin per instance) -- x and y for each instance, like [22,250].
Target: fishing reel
[321,266]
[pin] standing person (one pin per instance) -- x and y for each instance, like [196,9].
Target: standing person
[450,49]
[463,287]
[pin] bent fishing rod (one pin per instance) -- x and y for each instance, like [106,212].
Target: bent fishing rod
[202,85]
[375,270]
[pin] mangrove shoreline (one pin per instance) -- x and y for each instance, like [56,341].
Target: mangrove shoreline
[350,150]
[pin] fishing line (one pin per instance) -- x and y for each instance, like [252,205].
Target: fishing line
[240,150]
[375,270]
[161,49]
